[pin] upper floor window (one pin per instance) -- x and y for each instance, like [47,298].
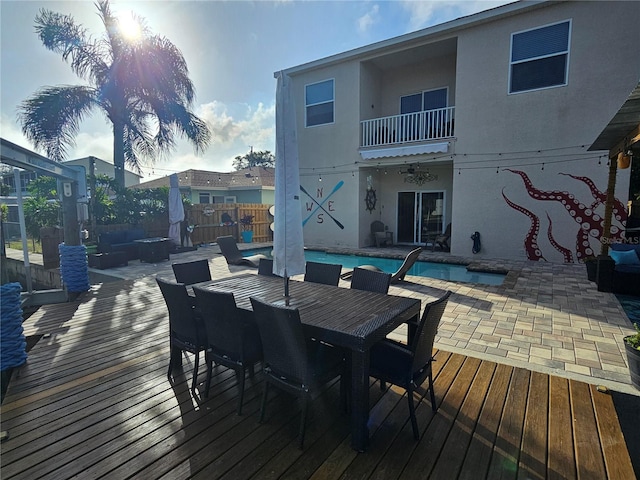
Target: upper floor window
[540,57]
[318,100]
[427,100]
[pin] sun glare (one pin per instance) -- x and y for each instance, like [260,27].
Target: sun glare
[129,27]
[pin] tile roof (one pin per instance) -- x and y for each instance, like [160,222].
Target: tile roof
[203,179]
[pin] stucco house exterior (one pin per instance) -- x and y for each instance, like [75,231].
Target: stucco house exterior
[249,185]
[102,167]
[483,122]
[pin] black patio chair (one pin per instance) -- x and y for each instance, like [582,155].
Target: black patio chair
[326,273]
[370,280]
[442,240]
[192,272]
[398,275]
[186,332]
[233,256]
[292,362]
[265,267]
[408,366]
[233,339]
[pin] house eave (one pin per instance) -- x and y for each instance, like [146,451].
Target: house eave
[421,35]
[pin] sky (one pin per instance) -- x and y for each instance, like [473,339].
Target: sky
[232,49]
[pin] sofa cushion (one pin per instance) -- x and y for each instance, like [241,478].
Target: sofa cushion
[136,234]
[625,257]
[114,237]
[623,247]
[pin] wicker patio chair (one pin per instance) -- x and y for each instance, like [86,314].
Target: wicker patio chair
[408,366]
[192,272]
[265,267]
[233,339]
[380,234]
[398,275]
[185,330]
[292,362]
[442,240]
[370,280]
[229,248]
[326,273]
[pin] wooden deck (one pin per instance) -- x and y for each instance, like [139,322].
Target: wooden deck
[93,401]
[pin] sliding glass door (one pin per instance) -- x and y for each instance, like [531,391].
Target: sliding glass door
[420,217]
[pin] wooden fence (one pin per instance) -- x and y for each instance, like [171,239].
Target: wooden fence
[210,225]
[209,222]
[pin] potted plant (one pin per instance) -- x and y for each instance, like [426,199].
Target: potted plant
[247,234]
[632,345]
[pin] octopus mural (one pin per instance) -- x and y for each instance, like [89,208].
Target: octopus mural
[590,225]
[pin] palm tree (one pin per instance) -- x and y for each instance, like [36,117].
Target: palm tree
[141,86]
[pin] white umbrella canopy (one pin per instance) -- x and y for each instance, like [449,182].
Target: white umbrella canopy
[176,209]
[288,243]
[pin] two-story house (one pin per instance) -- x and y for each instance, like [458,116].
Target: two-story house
[483,123]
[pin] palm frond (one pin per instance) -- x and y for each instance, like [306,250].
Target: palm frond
[50,118]
[59,33]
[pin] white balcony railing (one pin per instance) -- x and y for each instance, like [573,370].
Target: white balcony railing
[408,127]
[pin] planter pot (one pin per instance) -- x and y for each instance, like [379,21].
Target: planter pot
[604,273]
[633,357]
[247,236]
[592,269]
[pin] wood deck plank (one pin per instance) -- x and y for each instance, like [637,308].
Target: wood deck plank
[561,457]
[428,450]
[506,451]
[478,456]
[93,401]
[458,441]
[617,461]
[587,440]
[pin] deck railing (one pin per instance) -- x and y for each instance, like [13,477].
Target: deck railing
[408,127]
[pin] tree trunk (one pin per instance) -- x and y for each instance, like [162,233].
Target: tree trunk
[118,153]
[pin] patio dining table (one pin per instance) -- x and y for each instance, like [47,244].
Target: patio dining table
[345,317]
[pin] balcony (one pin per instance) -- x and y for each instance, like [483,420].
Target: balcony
[408,128]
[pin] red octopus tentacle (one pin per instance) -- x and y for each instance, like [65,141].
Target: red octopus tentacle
[531,240]
[619,212]
[566,253]
[583,246]
[585,217]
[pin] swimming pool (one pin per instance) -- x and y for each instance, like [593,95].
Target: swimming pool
[442,271]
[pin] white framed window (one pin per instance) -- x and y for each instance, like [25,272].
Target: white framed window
[540,57]
[204,197]
[319,103]
[427,100]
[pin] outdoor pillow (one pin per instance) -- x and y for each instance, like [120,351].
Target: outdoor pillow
[627,257]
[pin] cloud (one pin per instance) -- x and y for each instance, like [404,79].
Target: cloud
[233,134]
[235,128]
[369,19]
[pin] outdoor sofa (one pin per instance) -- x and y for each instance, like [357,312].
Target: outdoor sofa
[122,241]
[626,273]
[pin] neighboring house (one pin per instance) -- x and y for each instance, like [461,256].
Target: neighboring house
[104,168]
[250,185]
[483,122]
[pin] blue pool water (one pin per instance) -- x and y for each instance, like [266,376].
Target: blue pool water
[442,271]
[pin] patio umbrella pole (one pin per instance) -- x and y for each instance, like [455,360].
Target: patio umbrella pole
[286,288]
